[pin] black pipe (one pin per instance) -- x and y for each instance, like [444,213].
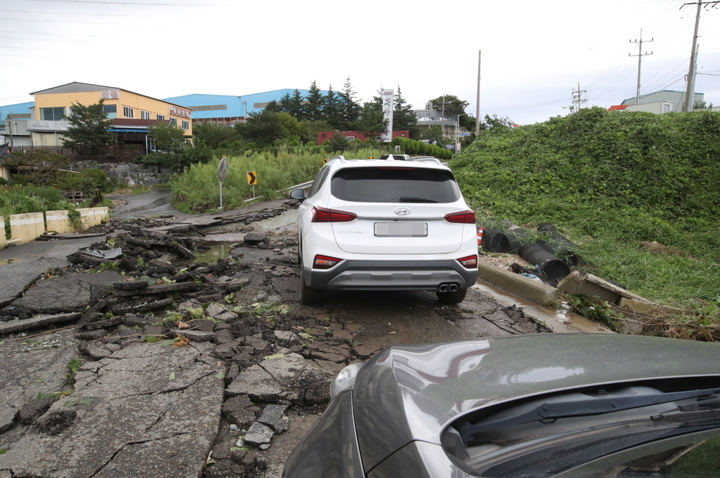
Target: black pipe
[553,268]
[559,245]
[495,240]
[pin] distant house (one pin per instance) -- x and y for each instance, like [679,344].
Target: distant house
[13,124]
[230,109]
[323,136]
[659,102]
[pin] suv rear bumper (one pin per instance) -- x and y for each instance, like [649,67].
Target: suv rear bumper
[391,275]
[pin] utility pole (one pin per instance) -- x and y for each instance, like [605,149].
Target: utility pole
[577,96]
[639,55]
[477,106]
[690,92]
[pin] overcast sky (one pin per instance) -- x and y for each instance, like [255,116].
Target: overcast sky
[534,53]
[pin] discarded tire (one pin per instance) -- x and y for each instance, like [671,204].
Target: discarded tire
[550,265]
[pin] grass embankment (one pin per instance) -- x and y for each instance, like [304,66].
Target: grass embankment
[614,183]
[197,189]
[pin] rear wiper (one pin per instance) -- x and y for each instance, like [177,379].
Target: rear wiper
[576,408]
[412,199]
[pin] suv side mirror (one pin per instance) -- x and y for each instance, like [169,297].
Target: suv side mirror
[298,194]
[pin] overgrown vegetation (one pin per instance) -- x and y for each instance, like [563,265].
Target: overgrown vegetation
[27,199]
[197,189]
[639,192]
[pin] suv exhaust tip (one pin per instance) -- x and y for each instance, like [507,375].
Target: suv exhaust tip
[453,287]
[443,288]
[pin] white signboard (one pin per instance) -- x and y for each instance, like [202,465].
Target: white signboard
[181,112]
[38,125]
[387,108]
[110,94]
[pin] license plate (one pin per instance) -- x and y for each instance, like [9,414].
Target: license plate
[401,229]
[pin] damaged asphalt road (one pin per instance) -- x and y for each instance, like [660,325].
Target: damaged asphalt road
[153,363]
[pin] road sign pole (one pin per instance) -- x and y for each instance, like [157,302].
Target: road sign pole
[221,206]
[222,174]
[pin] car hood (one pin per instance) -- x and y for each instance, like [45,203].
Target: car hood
[408,393]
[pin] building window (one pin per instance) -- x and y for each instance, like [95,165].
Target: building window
[160,117]
[144,115]
[128,112]
[52,114]
[110,111]
[173,122]
[185,125]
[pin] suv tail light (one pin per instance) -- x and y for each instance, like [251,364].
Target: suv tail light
[469,262]
[321,214]
[327,262]
[462,217]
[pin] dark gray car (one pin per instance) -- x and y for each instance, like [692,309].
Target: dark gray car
[531,405]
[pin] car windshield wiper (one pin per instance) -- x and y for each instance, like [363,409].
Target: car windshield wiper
[708,409]
[591,406]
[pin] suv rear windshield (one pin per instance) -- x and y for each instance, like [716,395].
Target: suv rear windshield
[395,184]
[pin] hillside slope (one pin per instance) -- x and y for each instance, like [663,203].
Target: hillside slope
[610,180]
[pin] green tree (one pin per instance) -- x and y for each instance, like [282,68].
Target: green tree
[309,130]
[267,128]
[349,107]
[39,167]
[371,122]
[293,104]
[167,137]
[404,118]
[213,135]
[337,143]
[314,103]
[449,104]
[332,109]
[89,128]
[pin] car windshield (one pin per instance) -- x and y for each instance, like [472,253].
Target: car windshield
[395,184]
[555,434]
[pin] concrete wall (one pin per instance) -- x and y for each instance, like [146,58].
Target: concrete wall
[92,216]
[28,227]
[58,221]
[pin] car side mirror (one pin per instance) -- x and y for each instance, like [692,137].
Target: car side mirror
[298,194]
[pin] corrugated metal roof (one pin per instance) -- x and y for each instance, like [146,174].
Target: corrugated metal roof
[17,108]
[76,87]
[235,106]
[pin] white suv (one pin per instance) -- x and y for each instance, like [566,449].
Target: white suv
[386,224]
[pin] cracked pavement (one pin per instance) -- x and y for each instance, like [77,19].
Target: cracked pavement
[146,407]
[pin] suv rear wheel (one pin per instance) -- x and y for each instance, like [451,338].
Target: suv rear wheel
[308,295]
[452,297]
